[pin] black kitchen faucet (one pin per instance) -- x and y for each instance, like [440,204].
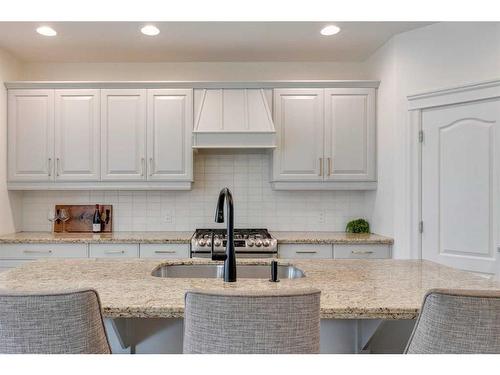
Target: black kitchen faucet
[229,257]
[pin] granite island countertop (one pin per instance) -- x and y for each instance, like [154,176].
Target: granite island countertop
[350,289]
[185,237]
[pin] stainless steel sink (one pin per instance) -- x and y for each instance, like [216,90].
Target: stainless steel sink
[212,271]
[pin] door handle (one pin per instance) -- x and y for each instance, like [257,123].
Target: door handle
[114,252]
[37,251]
[306,252]
[142,166]
[320,166]
[150,166]
[58,166]
[50,167]
[363,252]
[329,166]
[165,251]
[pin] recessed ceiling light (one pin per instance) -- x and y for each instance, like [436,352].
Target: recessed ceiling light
[330,30]
[150,30]
[46,31]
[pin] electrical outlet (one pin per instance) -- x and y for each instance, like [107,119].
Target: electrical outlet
[322,217]
[168,218]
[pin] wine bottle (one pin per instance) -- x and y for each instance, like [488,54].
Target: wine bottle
[96,220]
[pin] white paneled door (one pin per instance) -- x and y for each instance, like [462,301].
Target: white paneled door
[169,148]
[31,135]
[350,134]
[460,185]
[77,138]
[298,118]
[123,134]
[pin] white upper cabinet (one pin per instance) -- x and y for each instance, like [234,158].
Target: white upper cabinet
[298,117]
[169,124]
[350,134]
[77,138]
[326,139]
[31,135]
[123,134]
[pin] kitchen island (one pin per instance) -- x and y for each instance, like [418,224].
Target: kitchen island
[356,295]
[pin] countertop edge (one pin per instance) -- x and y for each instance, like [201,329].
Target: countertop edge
[178,313]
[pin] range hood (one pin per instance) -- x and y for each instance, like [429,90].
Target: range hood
[233,118]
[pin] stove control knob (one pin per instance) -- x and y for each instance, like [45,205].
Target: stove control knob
[258,243]
[201,242]
[266,243]
[209,242]
[217,242]
[250,243]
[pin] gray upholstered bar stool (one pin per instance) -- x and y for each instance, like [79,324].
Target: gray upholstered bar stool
[270,322]
[457,321]
[55,323]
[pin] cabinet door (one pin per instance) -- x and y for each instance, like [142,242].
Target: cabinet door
[298,118]
[123,134]
[170,123]
[350,134]
[77,146]
[31,135]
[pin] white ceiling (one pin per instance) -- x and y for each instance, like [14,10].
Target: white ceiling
[197,41]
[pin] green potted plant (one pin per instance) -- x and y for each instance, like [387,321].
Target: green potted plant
[358,226]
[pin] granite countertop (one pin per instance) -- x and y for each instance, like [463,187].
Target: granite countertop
[331,237]
[350,289]
[113,237]
[185,237]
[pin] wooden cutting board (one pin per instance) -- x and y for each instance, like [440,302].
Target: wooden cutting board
[81,218]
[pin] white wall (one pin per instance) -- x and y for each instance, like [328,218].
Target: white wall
[245,173]
[436,56]
[203,71]
[10,203]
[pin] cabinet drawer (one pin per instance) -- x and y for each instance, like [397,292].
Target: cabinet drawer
[35,251]
[305,251]
[164,251]
[114,250]
[361,251]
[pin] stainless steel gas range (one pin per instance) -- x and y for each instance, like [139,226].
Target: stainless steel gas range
[248,243]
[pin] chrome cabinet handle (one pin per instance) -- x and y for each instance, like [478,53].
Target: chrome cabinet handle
[165,251]
[329,166]
[37,251]
[362,252]
[320,166]
[150,166]
[58,166]
[114,252]
[50,167]
[142,166]
[306,252]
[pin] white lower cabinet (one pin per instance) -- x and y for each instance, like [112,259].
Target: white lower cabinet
[164,251]
[340,251]
[305,251]
[14,255]
[362,251]
[37,251]
[114,250]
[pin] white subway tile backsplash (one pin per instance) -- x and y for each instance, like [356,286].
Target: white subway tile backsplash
[245,173]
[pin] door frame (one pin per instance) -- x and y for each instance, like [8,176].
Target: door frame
[417,103]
